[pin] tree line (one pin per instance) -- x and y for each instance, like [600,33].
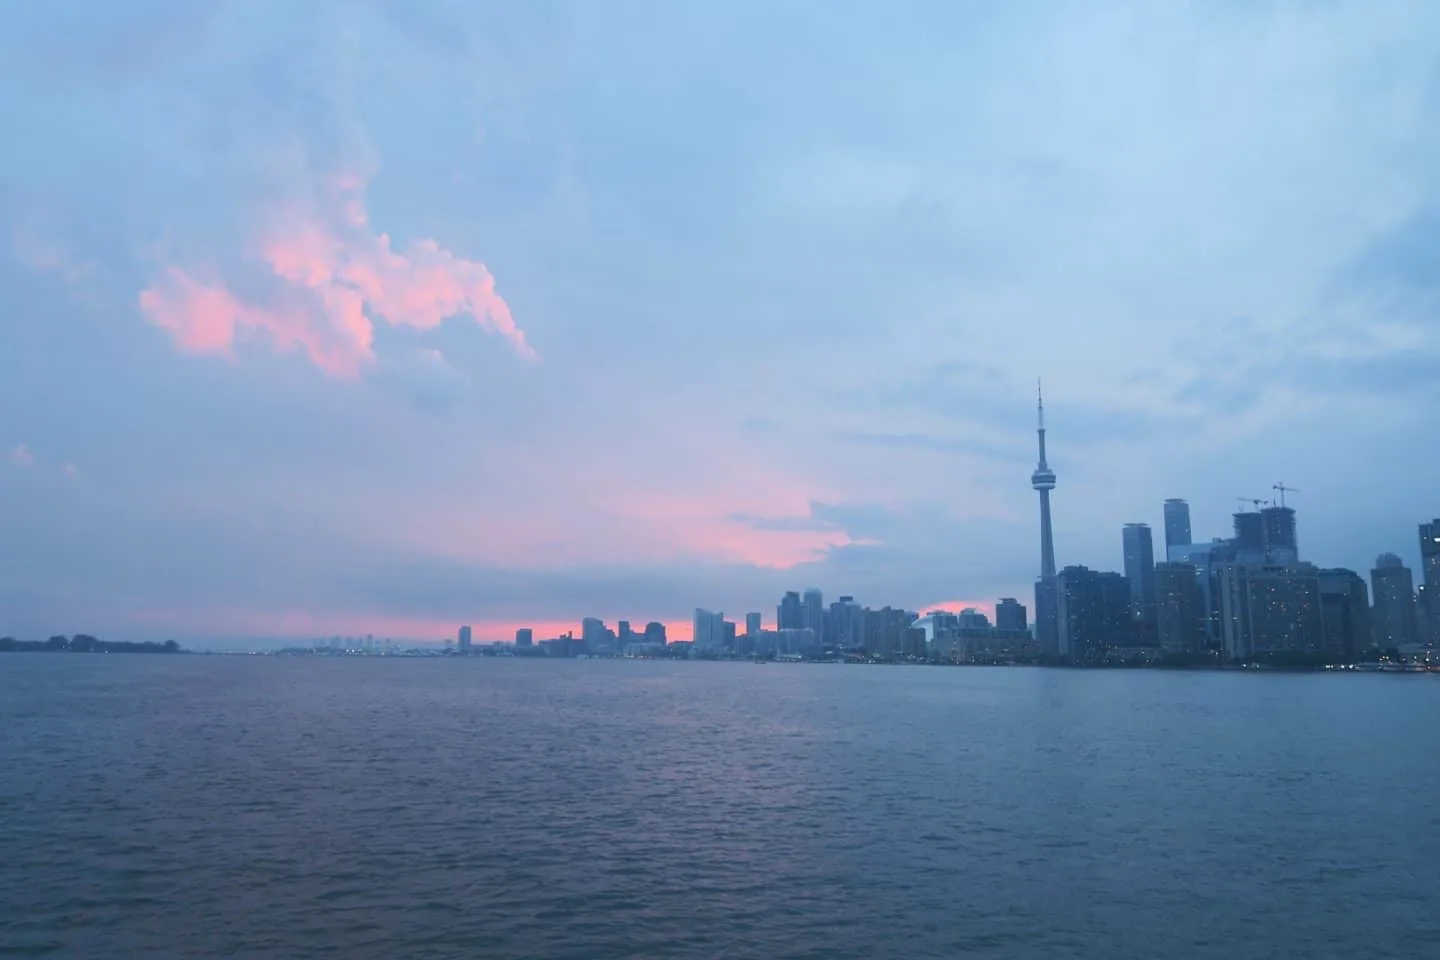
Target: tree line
[84,643]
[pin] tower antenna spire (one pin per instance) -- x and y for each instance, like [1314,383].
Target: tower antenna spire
[1040,402]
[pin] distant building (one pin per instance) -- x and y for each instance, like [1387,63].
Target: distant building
[845,626]
[889,636]
[1394,620]
[623,631]
[790,615]
[1140,572]
[1270,608]
[1179,608]
[1047,615]
[1093,612]
[1177,524]
[1345,609]
[752,624]
[464,641]
[813,611]
[593,633]
[1010,614]
[524,637]
[708,633]
[1278,524]
[655,632]
[1430,575]
[1249,541]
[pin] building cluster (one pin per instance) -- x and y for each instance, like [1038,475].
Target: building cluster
[1246,598]
[1240,599]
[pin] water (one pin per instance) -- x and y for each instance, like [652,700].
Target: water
[257,807]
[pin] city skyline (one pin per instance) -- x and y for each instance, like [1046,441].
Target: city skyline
[392,317]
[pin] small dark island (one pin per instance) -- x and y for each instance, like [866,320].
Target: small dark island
[84,643]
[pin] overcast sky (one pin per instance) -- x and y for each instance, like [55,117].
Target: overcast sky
[388,315]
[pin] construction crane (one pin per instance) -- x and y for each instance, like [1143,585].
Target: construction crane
[1283,490]
[1257,503]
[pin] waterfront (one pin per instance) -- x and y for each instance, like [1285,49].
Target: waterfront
[498,807]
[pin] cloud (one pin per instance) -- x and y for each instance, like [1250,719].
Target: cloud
[21,456]
[36,243]
[325,278]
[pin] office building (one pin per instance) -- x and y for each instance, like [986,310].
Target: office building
[1177,524]
[1140,572]
[812,606]
[1278,526]
[845,627]
[463,641]
[524,637]
[1269,609]
[1430,578]
[790,615]
[1394,620]
[593,634]
[1345,608]
[752,624]
[1179,609]
[1249,540]
[1093,610]
[655,632]
[708,630]
[1010,615]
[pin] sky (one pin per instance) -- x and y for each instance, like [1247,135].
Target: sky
[390,315]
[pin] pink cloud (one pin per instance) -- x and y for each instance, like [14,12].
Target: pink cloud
[337,278]
[21,456]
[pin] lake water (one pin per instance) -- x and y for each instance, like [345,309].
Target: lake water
[193,806]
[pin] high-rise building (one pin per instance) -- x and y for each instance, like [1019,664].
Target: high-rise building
[655,632]
[524,637]
[1430,577]
[813,611]
[464,640]
[1278,524]
[1345,605]
[1269,609]
[752,624]
[623,629]
[1010,615]
[1177,524]
[1046,598]
[593,633]
[1094,612]
[708,630]
[1249,541]
[1394,620]
[790,615]
[1140,571]
[1179,610]
[845,628]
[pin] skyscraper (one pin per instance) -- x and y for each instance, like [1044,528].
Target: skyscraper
[1394,591]
[790,614]
[708,630]
[464,640]
[1345,603]
[813,612]
[524,637]
[1179,609]
[752,624]
[1046,606]
[1430,576]
[1093,612]
[1140,571]
[1278,524]
[1177,524]
[1010,615]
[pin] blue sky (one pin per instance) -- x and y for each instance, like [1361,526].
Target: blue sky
[385,316]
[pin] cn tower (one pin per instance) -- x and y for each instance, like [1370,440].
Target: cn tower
[1043,480]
